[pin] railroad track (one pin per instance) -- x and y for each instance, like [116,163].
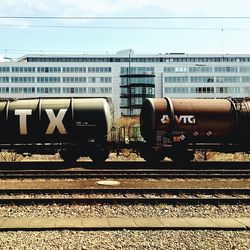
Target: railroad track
[128,173]
[165,165]
[125,196]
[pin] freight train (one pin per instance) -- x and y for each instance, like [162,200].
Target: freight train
[173,128]
[73,127]
[178,127]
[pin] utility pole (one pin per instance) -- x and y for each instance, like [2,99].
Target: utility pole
[129,82]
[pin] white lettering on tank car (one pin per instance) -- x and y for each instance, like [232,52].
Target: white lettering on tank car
[56,121]
[165,119]
[23,113]
[186,119]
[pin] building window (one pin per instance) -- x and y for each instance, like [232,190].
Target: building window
[136,101]
[177,90]
[45,90]
[100,90]
[48,79]
[175,69]
[201,79]
[200,69]
[137,70]
[176,79]
[23,69]
[22,79]
[246,79]
[4,90]
[74,79]
[74,69]
[4,69]
[99,69]
[74,90]
[228,79]
[225,69]
[4,79]
[207,90]
[24,90]
[136,80]
[100,79]
[245,69]
[228,90]
[48,69]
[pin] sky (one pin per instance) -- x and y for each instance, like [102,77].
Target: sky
[148,36]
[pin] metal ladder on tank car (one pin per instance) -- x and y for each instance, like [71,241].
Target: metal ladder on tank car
[242,117]
[240,106]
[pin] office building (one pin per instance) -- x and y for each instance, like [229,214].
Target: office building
[126,78]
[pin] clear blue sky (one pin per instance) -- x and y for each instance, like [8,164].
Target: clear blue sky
[179,38]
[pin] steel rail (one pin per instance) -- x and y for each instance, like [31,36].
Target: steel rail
[125,200]
[235,196]
[27,165]
[148,173]
[116,190]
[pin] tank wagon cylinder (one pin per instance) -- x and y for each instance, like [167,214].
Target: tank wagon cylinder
[71,120]
[189,119]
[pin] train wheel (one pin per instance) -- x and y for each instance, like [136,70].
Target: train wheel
[99,155]
[182,156]
[152,155]
[68,156]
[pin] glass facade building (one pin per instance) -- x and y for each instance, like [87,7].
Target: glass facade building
[137,84]
[128,79]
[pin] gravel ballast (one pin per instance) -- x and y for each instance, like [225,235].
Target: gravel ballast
[125,240]
[119,211]
[124,183]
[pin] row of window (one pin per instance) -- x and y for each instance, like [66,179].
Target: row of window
[74,79]
[4,69]
[23,79]
[207,79]
[55,69]
[208,90]
[126,70]
[136,59]
[100,90]
[176,69]
[99,69]
[130,111]
[137,70]
[23,69]
[74,69]
[136,80]
[55,79]
[127,81]
[4,79]
[100,79]
[55,90]
[48,79]
[138,91]
[48,69]
[133,101]
[205,69]
[90,79]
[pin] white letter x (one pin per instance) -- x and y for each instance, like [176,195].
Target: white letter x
[56,121]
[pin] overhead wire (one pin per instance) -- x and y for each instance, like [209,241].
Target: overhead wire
[121,27]
[123,17]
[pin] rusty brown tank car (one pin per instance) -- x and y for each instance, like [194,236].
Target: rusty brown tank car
[177,127]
